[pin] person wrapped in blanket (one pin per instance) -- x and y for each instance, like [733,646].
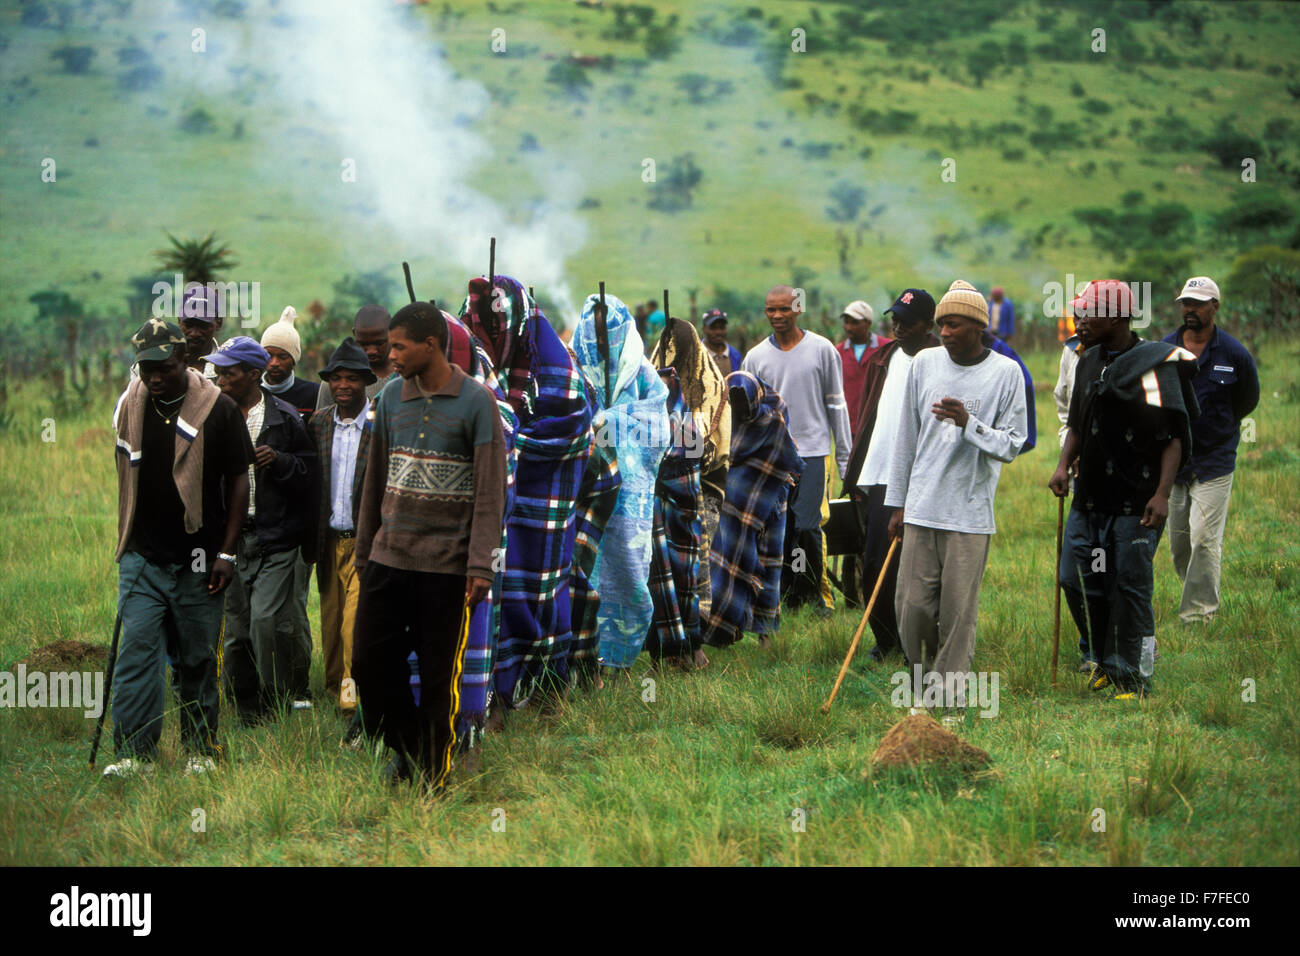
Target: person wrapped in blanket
[597,496]
[701,424]
[745,560]
[541,384]
[633,418]
[465,351]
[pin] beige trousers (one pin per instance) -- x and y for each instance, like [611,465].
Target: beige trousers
[1198,513]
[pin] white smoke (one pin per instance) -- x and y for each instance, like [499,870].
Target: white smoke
[373,77]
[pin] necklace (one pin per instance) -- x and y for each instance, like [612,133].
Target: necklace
[153,401]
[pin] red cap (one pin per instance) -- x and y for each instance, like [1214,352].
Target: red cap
[1105,297]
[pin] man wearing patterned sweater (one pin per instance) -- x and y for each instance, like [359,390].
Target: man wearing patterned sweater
[428,526]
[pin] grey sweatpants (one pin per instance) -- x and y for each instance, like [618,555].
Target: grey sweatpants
[939,576]
[262,651]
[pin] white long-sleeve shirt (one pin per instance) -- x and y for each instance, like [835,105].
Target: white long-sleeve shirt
[943,476]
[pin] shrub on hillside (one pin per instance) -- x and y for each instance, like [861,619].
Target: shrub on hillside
[1264,285]
[75,59]
[1230,148]
[198,121]
[143,77]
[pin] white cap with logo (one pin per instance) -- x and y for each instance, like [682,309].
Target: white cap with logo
[1200,288]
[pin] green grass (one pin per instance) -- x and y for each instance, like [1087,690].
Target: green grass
[711,771]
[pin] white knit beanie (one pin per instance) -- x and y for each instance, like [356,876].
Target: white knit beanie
[282,334]
[962,298]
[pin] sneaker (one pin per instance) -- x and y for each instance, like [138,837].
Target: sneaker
[953,721]
[916,711]
[1099,682]
[1130,695]
[1086,666]
[198,763]
[354,739]
[129,767]
[302,704]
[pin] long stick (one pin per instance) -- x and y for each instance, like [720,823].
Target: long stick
[602,340]
[1056,576]
[410,289]
[108,689]
[893,546]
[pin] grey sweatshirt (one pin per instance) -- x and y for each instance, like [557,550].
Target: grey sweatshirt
[810,378]
[944,477]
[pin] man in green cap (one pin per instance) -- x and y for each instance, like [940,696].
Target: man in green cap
[182,467]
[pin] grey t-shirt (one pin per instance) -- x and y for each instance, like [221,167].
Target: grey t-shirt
[810,379]
[943,476]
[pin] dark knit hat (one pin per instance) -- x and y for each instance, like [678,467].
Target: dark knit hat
[349,356]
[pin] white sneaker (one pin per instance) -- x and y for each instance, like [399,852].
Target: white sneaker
[129,767]
[953,721]
[302,705]
[199,764]
[914,711]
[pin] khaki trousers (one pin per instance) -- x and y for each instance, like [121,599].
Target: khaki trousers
[939,575]
[1198,512]
[339,588]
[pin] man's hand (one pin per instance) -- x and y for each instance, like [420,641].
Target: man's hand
[476,589]
[264,455]
[1060,482]
[951,409]
[220,576]
[896,523]
[1157,512]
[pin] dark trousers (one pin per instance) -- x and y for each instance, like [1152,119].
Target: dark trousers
[884,618]
[264,665]
[801,572]
[161,604]
[1108,580]
[399,612]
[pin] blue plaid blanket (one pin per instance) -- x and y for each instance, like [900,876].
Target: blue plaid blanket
[745,560]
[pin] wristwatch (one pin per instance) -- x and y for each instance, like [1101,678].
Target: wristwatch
[222,556]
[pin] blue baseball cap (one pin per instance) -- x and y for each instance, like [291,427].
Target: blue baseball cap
[240,349]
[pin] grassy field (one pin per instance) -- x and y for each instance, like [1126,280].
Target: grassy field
[713,770]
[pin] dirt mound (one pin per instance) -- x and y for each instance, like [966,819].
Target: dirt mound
[920,739]
[66,656]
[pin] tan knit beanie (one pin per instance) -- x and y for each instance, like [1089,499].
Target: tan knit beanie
[282,334]
[962,298]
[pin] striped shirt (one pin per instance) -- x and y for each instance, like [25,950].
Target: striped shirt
[435,481]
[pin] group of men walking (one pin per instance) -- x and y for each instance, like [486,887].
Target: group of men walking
[518,516]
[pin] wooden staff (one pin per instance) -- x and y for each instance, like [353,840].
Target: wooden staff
[410,288]
[602,341]
[893,546]
[1056,576]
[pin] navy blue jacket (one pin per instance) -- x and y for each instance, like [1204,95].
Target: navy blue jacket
[1227,389]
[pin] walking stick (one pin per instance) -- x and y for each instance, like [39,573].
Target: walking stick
[1056,575]
[108,689]
[844,669]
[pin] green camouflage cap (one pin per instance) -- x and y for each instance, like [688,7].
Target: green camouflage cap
[156,340]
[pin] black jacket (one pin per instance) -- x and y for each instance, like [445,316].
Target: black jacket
[285,494]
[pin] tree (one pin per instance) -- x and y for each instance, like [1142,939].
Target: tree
[847,201]
[693,85]
[197,260]
[75,59]
[673,190]
[570,78]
